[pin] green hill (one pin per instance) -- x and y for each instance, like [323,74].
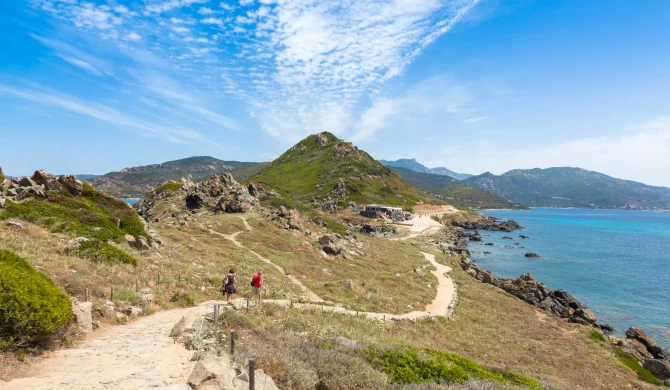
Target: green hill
[330,173]
[135,182]
[572,187]
[453,191]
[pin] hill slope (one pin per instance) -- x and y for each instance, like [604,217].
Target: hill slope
[329,173]
[572,187]
[454,191]
[415,166]
[136,181]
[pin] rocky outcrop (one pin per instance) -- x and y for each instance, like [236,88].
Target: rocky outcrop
[82,314]
[658,368]
[72,184]
[335,244]
[649,343]
[49,181]
[321,139]
[488,223]
[532,255]
[526,288]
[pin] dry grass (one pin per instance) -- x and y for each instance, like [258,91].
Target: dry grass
[383,292]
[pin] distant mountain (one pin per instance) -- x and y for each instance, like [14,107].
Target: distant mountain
[328,173]
[136,181]
[453,191]
[571,187]
[418,167]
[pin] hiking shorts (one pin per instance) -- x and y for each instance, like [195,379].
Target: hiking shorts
[257,291]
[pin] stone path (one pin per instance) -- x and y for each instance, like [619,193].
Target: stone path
[135,356]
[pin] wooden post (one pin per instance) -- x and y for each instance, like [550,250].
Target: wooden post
[216,312]
[111,294]
[247,305]
[137,284]
[232,342]
[252,375]
[179,277]
[86,295]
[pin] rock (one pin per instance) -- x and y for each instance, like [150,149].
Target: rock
[349,285]
[82,314]
[651,344]
[178,328]
[521,236]
[346,343]
[331,245]
[26,182]
[507,238]
[587,315]
[133,311]
[339,189]
[637,349]
[283,212]
[46,179]
[658,368]
[147,294]
[169,387]
[489,244]
[397,275]
[195,201]
[419,272]
[70,183]
[2,202]
[130,240]
[532,255]
[607,328]
[321,139]
[141,243]
[263,381]
[237,206]
[488,223]
[75,243]
[206,370]
[14,224]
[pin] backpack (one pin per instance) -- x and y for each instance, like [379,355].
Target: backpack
[253,281]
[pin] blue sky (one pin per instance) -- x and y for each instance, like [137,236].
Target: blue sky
[490,85]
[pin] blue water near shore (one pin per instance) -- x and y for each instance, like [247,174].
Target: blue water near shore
[616,262]
[131,200]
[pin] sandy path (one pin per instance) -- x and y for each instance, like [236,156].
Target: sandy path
[135,356]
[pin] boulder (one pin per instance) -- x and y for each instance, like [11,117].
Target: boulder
[46,179]
[238,206]
[75,243]
[141,243]
[587,315]
[331,245]
[195,201]
[651,344]
[263,381]
[82,314]
[532,255]
[211,369]
[70,183]
[607,328]
[283,212]
[26,182]
[130,240]
[178,328]
[14,224]
[2,202]
[321,139]
[658,368]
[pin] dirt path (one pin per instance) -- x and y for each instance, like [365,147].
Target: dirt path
[232,237]
[135,356]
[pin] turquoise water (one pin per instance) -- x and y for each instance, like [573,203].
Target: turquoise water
[616,262]
[131,200]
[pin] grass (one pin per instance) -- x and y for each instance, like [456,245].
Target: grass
[103,252]
[170,186]
[278,201]
[93,215]
[629,361]
[597,336]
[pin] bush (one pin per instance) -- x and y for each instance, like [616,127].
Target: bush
[103,252]
[170,186]
[182,299]
[629,361]
[31,306]
[597,336]
[406,365]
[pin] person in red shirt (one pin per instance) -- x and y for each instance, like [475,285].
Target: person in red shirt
[257,283]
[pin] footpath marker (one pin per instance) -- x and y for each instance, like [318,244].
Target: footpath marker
[232,342]
[111,294]
[137,284]
[252,374]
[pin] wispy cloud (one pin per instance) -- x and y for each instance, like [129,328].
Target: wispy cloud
[476,119]
[100,112]
[82,64]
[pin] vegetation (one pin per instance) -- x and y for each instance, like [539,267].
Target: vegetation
[182,299]
[309,170]
[134,182]
[92,215]
[103,252]
[170,186]
[31,306]
[597,336]
[331,224]
[571,187]
[629,361]
[405,365]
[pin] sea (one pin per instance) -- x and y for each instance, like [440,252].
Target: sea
[131,201]
[616,262]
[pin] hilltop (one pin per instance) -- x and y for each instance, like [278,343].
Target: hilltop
[453,191]
[136,181]
[415,166]
[571,187]
[329,173]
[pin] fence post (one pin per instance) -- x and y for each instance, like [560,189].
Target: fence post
[252,374]
[86,295]
[111,294]
[232,342]
[137,284]
[179,276]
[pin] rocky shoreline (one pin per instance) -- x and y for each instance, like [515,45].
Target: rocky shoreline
[560,303]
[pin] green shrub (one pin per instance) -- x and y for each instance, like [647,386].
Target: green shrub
[103,252]
[405,365]
[629,361]
[597,336]
[170,186]
[183,299]
[2,176]
[31,306]
[92,215]
[127,295]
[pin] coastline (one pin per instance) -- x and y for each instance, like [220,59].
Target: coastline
[623,313]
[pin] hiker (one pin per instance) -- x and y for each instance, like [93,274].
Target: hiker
[257,282]
[230,284]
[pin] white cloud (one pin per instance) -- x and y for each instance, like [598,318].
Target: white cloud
[164,6]
[475,119]
[133,36]
[205,11]
[181,30]
[81,64]
[246,2]
[215,21]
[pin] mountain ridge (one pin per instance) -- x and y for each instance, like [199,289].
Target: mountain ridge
[410,163]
